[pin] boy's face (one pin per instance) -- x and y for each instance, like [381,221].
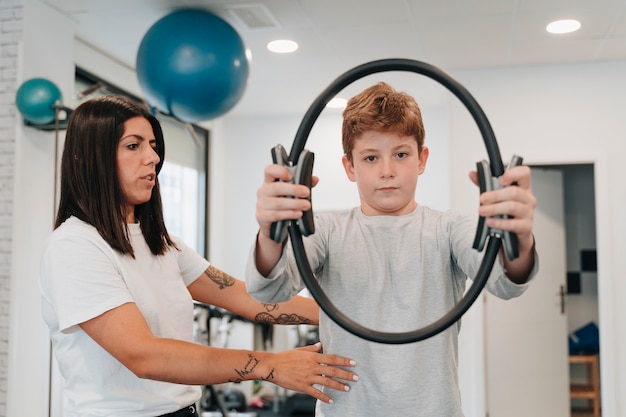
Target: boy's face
[385,167]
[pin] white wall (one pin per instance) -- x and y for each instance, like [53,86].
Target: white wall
[46,52]
[11,24]
[560,114]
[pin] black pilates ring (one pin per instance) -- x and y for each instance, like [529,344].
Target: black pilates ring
[496,166]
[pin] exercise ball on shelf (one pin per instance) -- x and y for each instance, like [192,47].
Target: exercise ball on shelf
[192,64]
[36,100]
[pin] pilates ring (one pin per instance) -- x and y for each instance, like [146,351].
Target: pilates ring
[495,164]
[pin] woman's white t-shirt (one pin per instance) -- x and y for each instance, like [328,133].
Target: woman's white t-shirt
[82,277]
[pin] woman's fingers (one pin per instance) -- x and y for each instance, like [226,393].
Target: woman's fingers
[312,370]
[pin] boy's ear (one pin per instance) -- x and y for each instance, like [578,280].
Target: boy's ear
[348,167]
[423,159]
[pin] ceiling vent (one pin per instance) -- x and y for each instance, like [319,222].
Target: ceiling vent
[253,16]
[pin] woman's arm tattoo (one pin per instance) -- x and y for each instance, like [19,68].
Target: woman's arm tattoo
[283,318]
[221,278]
[249,367]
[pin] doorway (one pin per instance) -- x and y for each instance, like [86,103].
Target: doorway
[527,337]
[581,304]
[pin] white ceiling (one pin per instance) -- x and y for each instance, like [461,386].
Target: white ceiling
[336,35]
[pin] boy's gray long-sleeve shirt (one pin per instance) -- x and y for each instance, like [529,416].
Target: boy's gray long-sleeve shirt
[391,274]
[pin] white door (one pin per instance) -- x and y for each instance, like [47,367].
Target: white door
[526,337]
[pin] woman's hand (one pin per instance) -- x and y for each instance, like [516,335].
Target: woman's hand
[302,368]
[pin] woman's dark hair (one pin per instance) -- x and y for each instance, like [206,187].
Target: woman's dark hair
[90,188]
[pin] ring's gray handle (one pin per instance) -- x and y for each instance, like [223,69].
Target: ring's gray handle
[302,173]
[488,183]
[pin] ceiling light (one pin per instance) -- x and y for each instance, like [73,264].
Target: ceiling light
[282,46]
[563,26]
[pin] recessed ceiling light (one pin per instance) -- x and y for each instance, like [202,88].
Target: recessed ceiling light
[563,26]
[282,46]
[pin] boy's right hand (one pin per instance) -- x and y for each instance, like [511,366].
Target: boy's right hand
[272,204]
[302,368]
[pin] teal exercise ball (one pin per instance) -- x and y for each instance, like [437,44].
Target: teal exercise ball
[192,64]
[36,99]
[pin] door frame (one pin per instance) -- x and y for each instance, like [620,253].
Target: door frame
[606,306]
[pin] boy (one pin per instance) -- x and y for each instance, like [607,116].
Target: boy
[391,264]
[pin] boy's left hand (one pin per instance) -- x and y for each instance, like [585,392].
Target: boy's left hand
[516,200]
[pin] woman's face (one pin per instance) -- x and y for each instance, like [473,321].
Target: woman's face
[136,163]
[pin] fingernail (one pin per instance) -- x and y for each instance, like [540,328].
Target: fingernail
[355,377]
[330,401]
[346,388]
[352,362]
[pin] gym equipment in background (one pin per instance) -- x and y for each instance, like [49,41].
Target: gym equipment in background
[39,101]
[225,400]
[193,65]
[489,172]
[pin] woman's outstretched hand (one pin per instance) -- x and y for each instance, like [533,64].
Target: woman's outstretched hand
[301,369]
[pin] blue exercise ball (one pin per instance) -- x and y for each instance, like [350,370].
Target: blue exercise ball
[192,64]
[36,99]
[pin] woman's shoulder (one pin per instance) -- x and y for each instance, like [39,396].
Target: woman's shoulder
[74,232]
[74,226]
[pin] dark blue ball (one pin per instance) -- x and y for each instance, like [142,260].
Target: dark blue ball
[192,64]
[36,98]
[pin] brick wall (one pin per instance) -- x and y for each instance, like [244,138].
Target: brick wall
[10,36]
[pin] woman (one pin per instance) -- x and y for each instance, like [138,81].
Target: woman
[118,290]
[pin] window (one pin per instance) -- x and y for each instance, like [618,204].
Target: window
[184,175]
